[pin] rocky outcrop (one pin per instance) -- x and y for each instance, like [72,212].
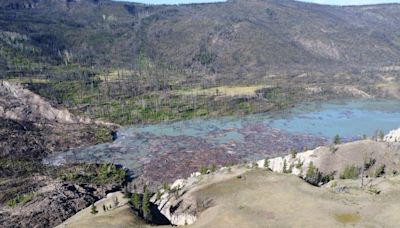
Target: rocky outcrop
[50,206]
[392,136]
[330,162]
[176,210]
[295,164]
[180,205]
[17,103]
[175,205]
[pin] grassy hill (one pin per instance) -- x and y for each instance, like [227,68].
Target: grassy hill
[262,199]
[265,199]
[119,215]
[349,181]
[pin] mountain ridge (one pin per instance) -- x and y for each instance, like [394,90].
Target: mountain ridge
[242,38]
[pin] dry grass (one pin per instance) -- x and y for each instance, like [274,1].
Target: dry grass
[391,88]
[115,74]
[121,216]
[231,91]
[266,199]
[278,200]
[24,80]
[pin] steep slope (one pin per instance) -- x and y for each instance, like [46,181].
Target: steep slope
[31,127]
[17,103]
[31,193]
[234,39]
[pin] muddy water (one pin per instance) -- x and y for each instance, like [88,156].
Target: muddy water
[169,150]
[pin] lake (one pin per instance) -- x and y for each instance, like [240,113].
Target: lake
[165,151]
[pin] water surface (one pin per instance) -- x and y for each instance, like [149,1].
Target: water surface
[168,150]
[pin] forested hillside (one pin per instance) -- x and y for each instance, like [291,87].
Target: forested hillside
[128,62]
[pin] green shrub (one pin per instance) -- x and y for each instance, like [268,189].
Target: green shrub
[380,171]
[96,174]
[374,191]
[336,139]
[284,168]
[266,163]
[203,170]
[93,209]
[158,194]
[293,152]
[146,203]
[166,187]
[254,165]
[369,163]
[350,172]
[327,178]
[311,170]
[290,170]
[135,200]
[299,165]
[381,135]
[20,199]
[213,168]
[313,176]
[102,135]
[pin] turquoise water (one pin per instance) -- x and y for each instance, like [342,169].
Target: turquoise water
[219,140]
[348,119]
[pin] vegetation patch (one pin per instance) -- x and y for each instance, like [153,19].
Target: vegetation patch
[21,199]
[93,173]
[204,57]
[380,171]
[102,135]
[226,91]
[347,218]
[350,172]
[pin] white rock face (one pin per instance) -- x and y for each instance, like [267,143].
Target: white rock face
[195,174]
[393,136]
[181,216]
[178,184]
[295,165]
[183,219]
